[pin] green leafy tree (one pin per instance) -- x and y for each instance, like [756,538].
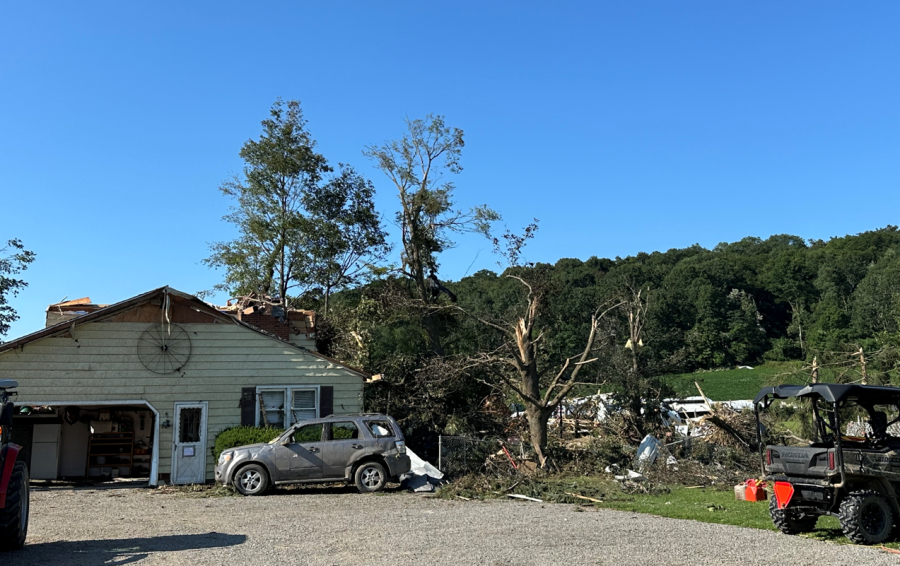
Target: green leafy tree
[298,230]
[789,277]
[876,301]
[346,240]
[14,259]
[428,217]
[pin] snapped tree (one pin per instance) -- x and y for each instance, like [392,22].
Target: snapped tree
[540,381]
[14,259]
[427,217]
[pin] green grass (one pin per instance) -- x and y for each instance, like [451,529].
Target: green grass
[703,504]
[734,384]
[716,506]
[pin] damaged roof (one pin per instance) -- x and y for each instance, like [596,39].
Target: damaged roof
[107,311]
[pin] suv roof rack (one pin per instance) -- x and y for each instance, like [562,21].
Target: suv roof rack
[357,415]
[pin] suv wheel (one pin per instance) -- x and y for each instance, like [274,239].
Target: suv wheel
[789,521]
[370,477]
[251,480]
[14,517]
[866,517]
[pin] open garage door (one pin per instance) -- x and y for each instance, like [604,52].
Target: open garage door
[89,439]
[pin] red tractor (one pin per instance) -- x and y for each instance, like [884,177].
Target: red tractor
[13,478]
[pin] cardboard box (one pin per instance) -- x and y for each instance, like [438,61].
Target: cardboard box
[98,427]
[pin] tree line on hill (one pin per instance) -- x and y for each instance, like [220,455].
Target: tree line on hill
[741,303]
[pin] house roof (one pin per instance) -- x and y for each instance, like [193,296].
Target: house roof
[111,310]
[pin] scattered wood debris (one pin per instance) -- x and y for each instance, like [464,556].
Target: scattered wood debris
[576,496]
[518,496]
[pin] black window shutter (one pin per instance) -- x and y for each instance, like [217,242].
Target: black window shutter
[326,400]
[248,406]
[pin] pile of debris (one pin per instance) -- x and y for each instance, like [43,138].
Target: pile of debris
[422,477]
[727,422]
[265,313]
[697,442]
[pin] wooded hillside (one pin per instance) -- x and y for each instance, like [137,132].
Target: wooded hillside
[741,303]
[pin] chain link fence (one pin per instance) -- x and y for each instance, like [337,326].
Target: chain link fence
[461,455]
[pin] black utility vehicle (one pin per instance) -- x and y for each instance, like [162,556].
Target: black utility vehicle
[13,478]
[854,478]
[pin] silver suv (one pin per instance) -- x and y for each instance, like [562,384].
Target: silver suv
[366,449]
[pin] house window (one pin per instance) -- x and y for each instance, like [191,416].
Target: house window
[281,407]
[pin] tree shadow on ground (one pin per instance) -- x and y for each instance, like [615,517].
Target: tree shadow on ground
[103,552]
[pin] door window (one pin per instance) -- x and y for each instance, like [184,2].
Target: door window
[189,424]
[344,431]
[308,433]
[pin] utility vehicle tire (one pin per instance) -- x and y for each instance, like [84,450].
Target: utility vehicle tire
[252,479]
[866,517]
[370,477]
[790,522]
[14,517]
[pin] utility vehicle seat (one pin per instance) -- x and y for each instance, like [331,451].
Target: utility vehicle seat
[879,424]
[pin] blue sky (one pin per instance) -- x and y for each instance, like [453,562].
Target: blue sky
[622,126]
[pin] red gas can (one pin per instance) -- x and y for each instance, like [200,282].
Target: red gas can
[755,491]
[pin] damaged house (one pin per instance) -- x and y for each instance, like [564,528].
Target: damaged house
[140,388]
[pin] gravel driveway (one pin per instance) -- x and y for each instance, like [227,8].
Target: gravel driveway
[340,526]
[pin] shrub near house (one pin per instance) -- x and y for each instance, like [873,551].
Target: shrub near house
[243,435]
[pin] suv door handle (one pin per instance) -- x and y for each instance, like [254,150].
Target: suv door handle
[313,449]
[357,446]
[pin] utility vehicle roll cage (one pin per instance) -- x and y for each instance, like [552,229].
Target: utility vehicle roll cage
[828,419]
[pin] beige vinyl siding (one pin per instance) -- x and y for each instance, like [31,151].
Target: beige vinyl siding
[103,365]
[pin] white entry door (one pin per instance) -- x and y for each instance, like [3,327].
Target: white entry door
[189,443]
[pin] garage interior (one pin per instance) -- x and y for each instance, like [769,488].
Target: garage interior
[86,442]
